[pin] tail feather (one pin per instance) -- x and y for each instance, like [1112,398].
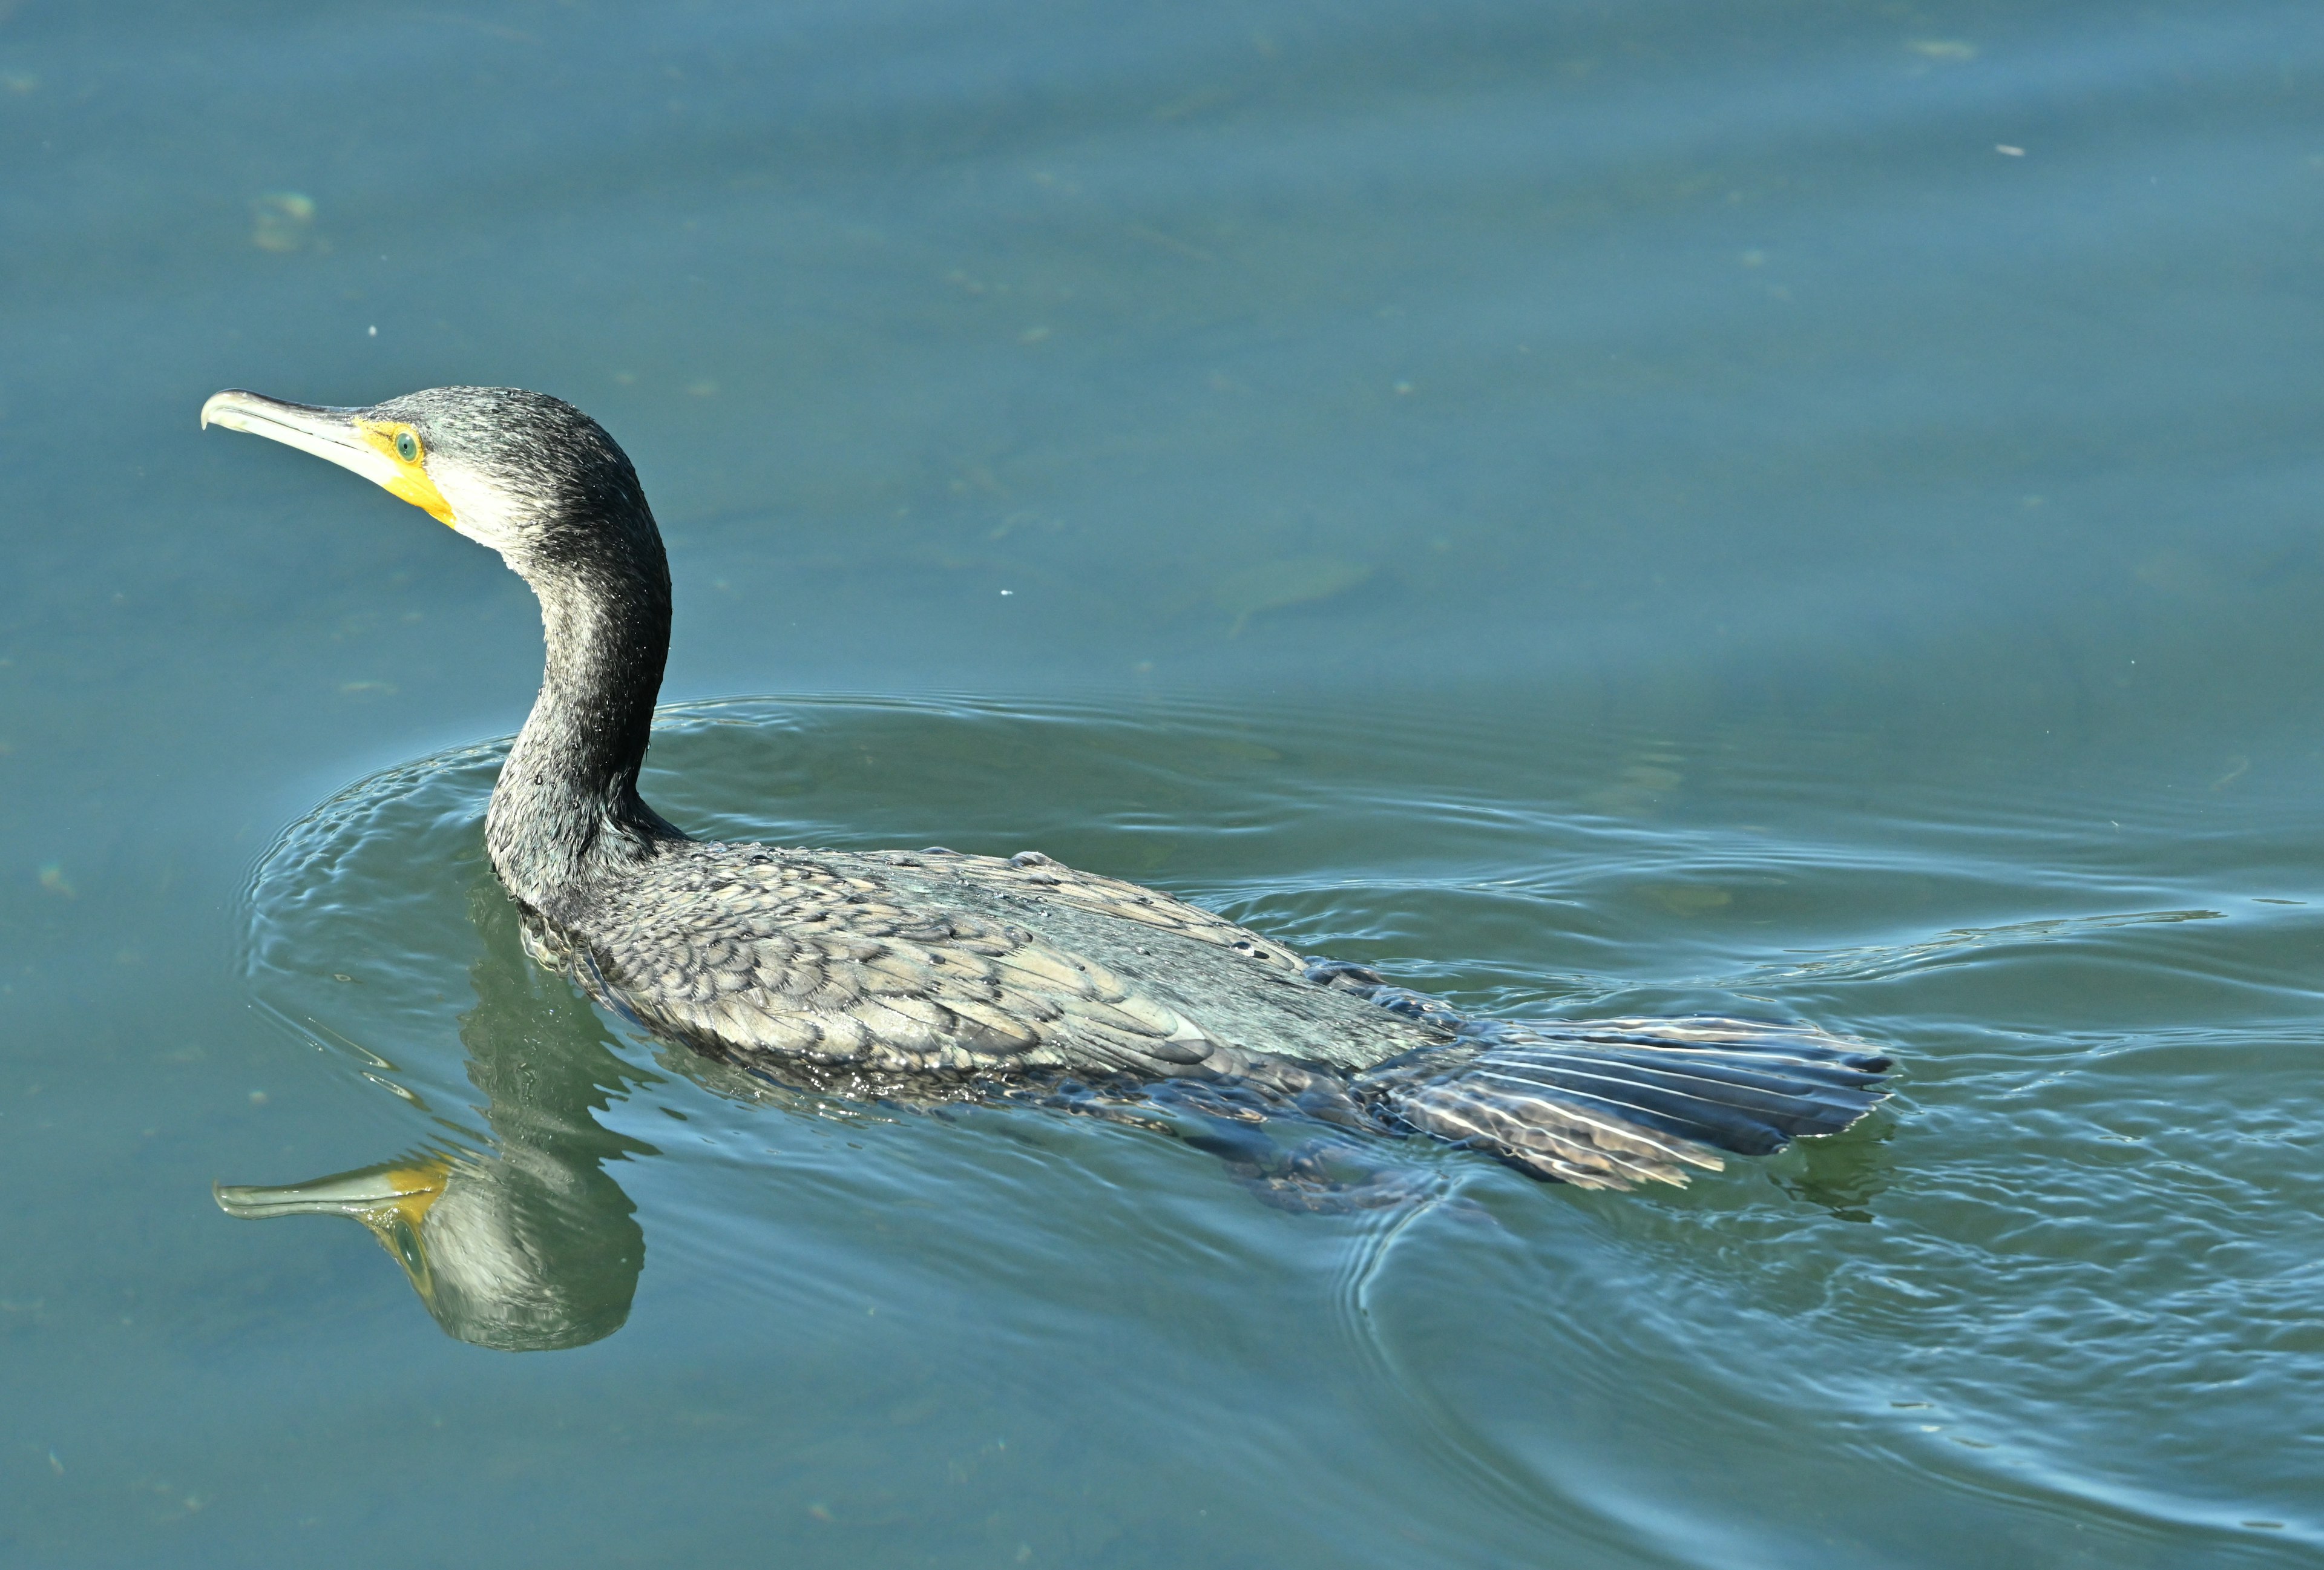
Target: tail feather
[1757,1108]
[1610,1102]
[1551,1137]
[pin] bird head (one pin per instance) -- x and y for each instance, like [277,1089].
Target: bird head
[526,473]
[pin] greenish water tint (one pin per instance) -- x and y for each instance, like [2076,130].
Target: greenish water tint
[1798,509]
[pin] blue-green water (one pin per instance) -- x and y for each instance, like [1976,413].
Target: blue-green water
[1808,509]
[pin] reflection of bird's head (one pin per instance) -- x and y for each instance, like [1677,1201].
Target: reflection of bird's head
[505,1256]
[526,473]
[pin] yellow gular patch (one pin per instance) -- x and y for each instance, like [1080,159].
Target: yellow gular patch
[416,1189]
[397,1222]
[410,482]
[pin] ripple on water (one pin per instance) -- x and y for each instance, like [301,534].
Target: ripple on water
[2071,1272]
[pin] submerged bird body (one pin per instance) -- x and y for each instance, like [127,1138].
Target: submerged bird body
[931,975]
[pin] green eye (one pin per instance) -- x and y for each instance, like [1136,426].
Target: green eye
[407,447]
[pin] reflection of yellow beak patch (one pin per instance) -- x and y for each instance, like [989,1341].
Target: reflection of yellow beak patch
[398,1222]
[418,1188]
[410,482]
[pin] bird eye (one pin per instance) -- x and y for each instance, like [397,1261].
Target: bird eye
[407,447]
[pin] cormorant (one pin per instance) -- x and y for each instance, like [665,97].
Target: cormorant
[931,975]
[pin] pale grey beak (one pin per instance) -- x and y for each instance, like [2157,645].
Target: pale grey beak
[328,433]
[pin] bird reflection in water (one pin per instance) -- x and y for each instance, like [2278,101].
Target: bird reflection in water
[528,1244]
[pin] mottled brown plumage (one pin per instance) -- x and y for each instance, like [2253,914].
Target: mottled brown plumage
[891,966]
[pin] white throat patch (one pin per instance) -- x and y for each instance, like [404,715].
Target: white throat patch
[481,510]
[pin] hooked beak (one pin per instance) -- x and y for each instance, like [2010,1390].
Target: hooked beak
[341,436]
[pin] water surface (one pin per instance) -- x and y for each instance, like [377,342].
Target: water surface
[1804,510]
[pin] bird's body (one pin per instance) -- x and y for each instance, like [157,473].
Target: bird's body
[934,964]
[934,976]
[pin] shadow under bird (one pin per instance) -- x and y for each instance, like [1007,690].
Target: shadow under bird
[928,976]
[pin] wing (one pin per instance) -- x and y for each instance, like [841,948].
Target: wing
[747,952]
[1033,873]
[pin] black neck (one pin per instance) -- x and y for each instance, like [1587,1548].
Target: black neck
[566,809]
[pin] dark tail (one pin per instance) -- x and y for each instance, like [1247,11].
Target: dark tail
[1609,1103]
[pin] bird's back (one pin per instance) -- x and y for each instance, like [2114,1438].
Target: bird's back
[931,962]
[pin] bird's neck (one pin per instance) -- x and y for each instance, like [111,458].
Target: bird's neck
[566,814]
